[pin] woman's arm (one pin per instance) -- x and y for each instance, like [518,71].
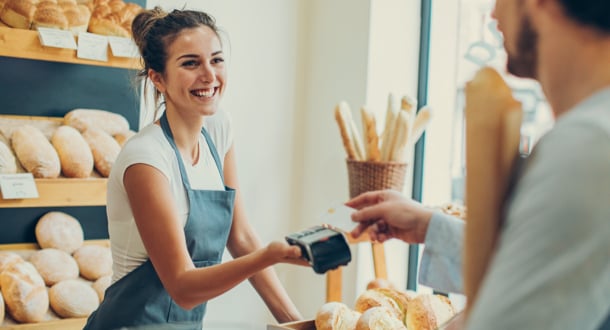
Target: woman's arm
[162,233]
[243,240]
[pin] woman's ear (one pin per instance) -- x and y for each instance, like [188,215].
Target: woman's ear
[157,80]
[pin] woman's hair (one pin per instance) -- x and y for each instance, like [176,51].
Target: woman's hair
[592,13]
[155,30]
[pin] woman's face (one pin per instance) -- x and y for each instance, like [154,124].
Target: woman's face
[195,73]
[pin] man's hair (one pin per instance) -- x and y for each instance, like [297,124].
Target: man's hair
[593,13]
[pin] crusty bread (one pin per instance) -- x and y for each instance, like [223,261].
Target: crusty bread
[428,312]
[73,298]
[94,261]
[122,137]
[386,136]
[35,152]
[18,13]
[373,298]
[49,17]
[100,286]
[1,307]
[349,134]
[109,122]
[74,153]
[54,265]
[379,283]
[107,27]
[8,258]
[371,138]
[60,231]
[400,298]
[379,318]
[24,293]
[336,316]
[105,149]
[493,119]
[8,161]
[399,148]
[421,122]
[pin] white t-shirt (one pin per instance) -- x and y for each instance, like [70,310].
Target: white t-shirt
[151,147]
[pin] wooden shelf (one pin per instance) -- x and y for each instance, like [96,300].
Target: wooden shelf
[21,43]
[64,192]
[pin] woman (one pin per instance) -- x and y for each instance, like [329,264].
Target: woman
[170,211]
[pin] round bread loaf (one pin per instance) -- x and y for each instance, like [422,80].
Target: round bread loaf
[380,318]
[1,309]
[105,149]
[101,285]
[8,258]
[400,298]
[59,230]
[18,13]
[35,152]
[25,294]
[374,298]
[428,311]
[54,265]
[73,298]
[94,261]
[74,152]
[336,316]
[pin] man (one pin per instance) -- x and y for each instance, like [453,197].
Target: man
[551,268]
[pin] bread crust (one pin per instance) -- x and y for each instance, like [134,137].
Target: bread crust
[105,149]
[24,292]
[73,298]
[344,128]
[59,230]
[35,153]
[371,138]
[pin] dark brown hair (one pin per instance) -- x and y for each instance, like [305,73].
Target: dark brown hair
[154,31]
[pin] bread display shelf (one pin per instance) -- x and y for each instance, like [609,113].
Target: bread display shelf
[25,44]
[54,322]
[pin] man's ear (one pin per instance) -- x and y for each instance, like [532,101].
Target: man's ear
[157,80]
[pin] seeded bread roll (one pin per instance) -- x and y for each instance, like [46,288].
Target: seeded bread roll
[109,122]
[54,265]
[94,261]
[24,292]
[428,312]
[74,153]
[101,285]
[18,13]
[105,149]
[73,298]
[379,318]
[35,152]
[8,258]
[336,316]
[60,231]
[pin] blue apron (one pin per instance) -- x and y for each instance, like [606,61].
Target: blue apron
[139,298]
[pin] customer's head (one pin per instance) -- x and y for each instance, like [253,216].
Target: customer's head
[158,33]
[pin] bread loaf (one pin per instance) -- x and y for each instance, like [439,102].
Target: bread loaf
[373,298]
[94,261]
[109,122]
[371,138]
[336,316]
[351,140]
[8,258]
[428,312]
[18,13]
[122,137]
[73,298]
[35,152]
[419,125]
[1,309]
[54,265]
[24,293]
[386,136]
[379,318]
[60,231]
[100,286]
[49,17]
[8,161]
[74,153]
[105,149]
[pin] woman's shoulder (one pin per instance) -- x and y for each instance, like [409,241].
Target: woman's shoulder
[219,126]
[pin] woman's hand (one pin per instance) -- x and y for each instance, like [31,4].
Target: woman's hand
[285,253]
[388,214]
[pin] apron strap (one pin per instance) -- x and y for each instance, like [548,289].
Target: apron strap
[170,137]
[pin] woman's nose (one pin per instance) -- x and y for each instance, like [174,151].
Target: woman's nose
[207,73]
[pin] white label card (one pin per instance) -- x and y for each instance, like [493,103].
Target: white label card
[92,46]
[123,47]
[56,38]
[339,216]
[18,186]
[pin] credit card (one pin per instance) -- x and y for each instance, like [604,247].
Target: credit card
[338,216]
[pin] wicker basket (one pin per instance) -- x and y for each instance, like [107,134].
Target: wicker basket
[368,176]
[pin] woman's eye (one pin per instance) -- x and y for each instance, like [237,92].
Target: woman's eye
[218,60]
[190,63]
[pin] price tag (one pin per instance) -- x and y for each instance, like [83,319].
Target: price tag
[56,38]
[123,47]
[18,186]
[92,46]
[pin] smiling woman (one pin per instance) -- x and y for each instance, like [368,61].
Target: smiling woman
[173,199]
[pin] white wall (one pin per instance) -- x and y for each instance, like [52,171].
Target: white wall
[290,62]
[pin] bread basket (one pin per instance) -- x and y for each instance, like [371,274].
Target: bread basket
[368,176]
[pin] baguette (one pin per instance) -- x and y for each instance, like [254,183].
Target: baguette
[369,126]
[422,119]
[400,147]
[492,117]
[343,118]
[386,137]
[354,132]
